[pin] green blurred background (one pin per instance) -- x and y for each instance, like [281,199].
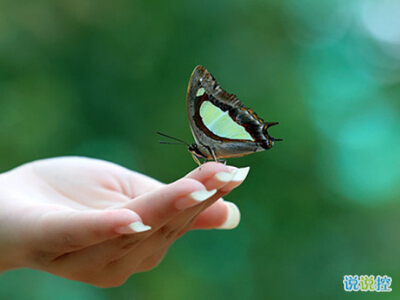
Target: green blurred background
[99,78]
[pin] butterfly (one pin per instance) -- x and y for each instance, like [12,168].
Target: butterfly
[221,126]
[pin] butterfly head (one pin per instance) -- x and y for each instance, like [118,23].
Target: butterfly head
[195,151]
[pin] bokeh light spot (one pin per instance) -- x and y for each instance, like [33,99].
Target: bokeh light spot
[366,166]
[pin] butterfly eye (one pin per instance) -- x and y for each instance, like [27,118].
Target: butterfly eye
[195,151]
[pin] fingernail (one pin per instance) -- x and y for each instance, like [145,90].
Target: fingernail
[240,174]
[224,176]
[233,218]
[202,195]
[194,198]
[134,227]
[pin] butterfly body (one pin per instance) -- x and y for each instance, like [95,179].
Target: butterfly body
[221,126]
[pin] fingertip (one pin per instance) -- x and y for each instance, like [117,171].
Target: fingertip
[216,175]
[126,221]
[233,217]
[194,198]
[241,174]
[220,215]
[209,164]
[134,227]
[208,168]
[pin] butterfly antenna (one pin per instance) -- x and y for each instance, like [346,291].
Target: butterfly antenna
[172,138]
[170,143]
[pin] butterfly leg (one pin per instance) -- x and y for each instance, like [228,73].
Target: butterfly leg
[196,160]
[222,161]
[213,155]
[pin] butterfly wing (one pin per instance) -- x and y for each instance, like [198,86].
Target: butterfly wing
[221,126]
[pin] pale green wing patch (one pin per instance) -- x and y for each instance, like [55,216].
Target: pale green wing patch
[221,124]
[200,92]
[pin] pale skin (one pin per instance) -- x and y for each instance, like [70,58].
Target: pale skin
[97,222]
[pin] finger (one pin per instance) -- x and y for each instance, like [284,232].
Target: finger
[213,175]
[159,209]
[239,176]
[146,253]
[224,215]
[155,208]
[63,232]
[220,215]
[159,206]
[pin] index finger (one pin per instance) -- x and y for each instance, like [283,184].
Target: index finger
[156,208]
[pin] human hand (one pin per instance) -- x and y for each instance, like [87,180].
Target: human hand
[94,221]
